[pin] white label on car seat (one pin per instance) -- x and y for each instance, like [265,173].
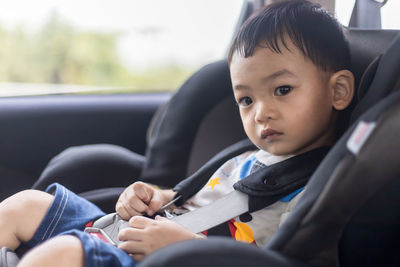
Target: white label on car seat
[360,135]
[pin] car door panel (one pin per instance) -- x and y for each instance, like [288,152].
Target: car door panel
[35,129]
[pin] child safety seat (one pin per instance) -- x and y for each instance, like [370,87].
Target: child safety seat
[349,214]
[200,120]
[203,111]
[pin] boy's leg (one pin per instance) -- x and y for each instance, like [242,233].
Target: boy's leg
[76,248]
[20,216]
[59,251]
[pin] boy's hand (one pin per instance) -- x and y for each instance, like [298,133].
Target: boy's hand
[147,235]
[141,198]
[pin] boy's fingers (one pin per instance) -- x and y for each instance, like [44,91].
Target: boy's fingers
[137,257]
[130,234]
[160,218]
[124,207]
[137,206]
[143,191]
[139,222]
[120,209]
[132,247]
[155,204]
[133,206]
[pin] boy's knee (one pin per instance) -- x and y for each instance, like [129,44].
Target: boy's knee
[26,201]
[59,251]
[22,212]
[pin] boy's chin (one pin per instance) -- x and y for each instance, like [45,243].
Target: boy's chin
[276,149]
[281,149]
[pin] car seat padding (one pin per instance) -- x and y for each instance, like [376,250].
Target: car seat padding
[166,162]
[385,78]
[316,226]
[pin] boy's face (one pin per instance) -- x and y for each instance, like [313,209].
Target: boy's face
[285,101]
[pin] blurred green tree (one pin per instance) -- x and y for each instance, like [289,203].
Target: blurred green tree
[61,54]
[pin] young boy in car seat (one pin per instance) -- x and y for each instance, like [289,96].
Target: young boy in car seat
[289,67]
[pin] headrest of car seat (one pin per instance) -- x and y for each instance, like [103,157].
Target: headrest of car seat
[367,78]
[207,93]
[365,46]
[386,75]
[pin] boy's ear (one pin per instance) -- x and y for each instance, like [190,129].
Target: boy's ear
[342,83]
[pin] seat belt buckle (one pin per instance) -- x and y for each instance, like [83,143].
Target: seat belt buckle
[101,234]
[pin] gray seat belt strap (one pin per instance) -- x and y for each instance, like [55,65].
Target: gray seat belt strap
[8,258]
[219,211]
[250,194]
[367,14]
[196,221]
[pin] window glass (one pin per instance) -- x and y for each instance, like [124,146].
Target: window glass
[389,13]
[58,46]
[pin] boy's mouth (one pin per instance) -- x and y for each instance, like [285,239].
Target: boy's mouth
[269,133]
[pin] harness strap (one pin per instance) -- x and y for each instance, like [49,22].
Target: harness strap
[260,189]
[256,191]
[8,258]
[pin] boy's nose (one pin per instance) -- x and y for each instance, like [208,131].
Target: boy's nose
[265,112]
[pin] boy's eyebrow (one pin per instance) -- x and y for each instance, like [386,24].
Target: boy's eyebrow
[266,79]
[277,74]
[240,87]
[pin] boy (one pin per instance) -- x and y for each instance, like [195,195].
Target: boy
[289,67]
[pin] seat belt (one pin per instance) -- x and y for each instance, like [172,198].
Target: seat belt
[8,258]
[367,14]
[219,211]
[233,204]
[255,192]
[251,194]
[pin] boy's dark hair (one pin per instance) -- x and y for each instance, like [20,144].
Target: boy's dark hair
[318,35]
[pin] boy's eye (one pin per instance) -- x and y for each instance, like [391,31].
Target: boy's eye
[282,90]
[245,101]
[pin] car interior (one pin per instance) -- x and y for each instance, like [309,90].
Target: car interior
[62,139]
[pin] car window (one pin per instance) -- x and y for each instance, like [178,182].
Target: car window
[63,46]
[389,13]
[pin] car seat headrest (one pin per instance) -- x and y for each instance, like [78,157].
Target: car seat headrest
[383,82]
[367,78]
[176,125]
[365,46]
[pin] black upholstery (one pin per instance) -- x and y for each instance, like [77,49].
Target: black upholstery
[217,251]
[202,111]
[365,45]
[385,78]
[205,98]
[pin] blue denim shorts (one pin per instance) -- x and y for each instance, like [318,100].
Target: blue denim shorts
[68,215]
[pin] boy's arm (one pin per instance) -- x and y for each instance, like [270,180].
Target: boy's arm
[140,198]
[146,235]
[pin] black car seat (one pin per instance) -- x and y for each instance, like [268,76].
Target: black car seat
[203,111]
[349,214]
[199,120]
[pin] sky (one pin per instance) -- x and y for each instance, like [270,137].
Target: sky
[185,32]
